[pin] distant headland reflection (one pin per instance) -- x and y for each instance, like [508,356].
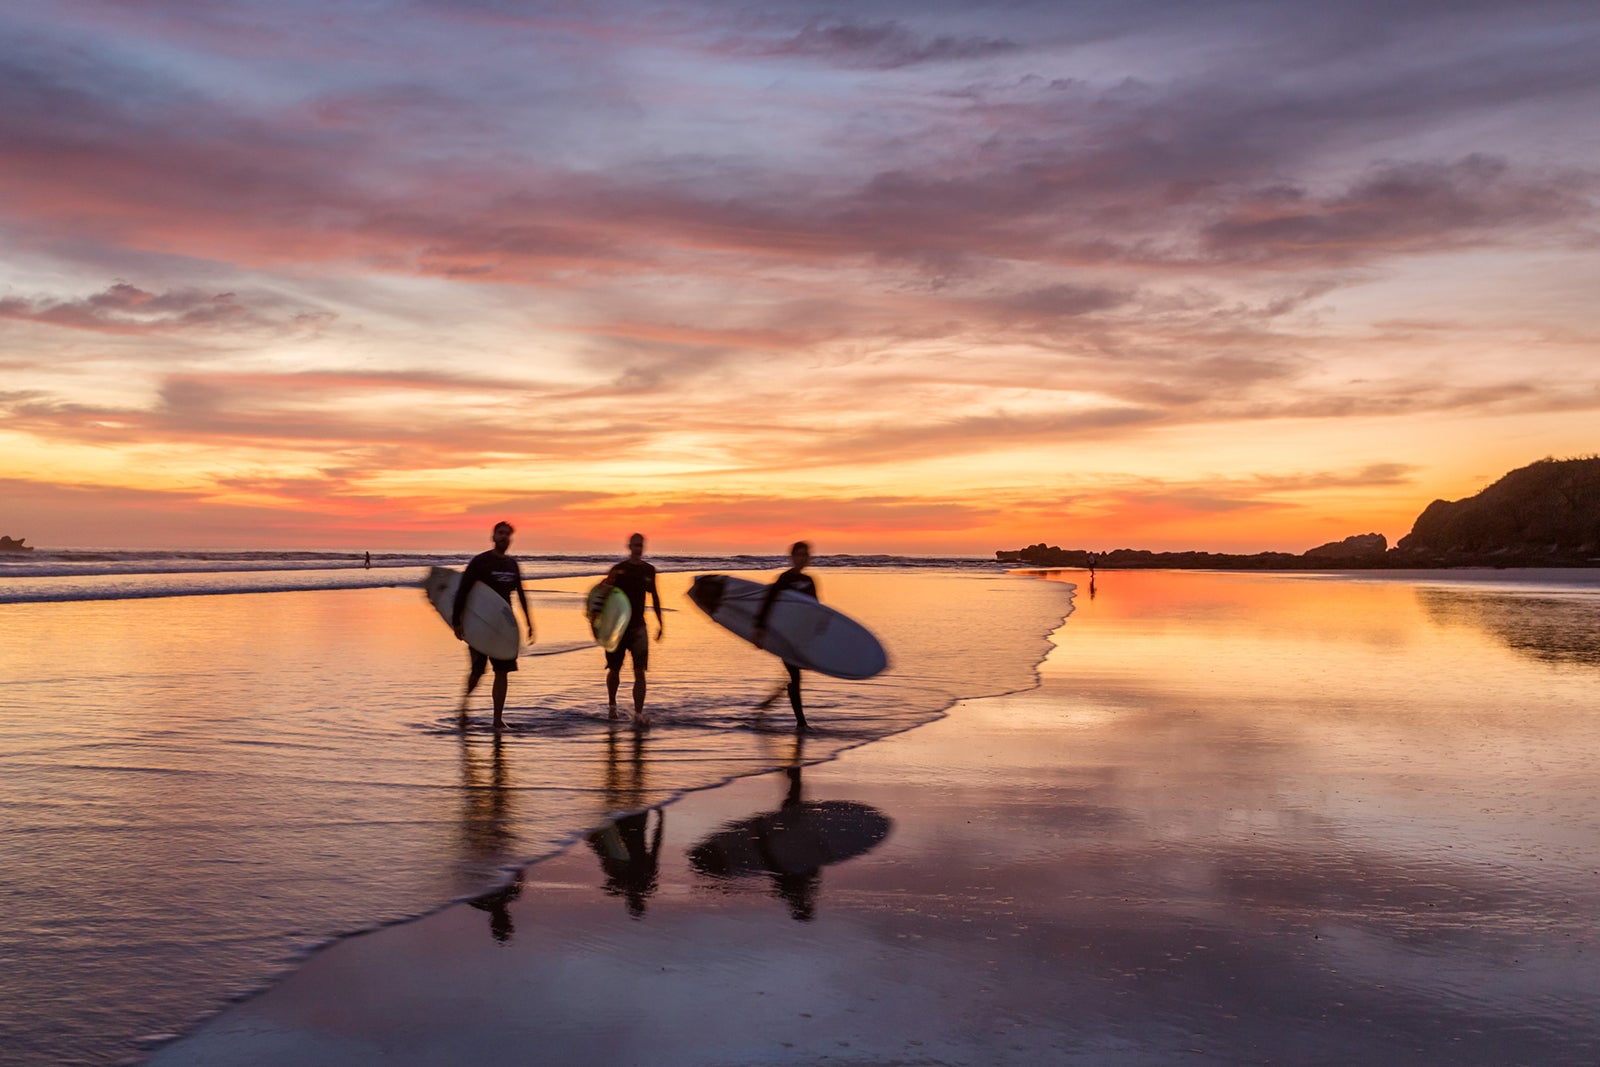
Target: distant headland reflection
[1559,630]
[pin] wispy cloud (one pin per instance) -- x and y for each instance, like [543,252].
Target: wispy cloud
[726,242]
[873,45]
[126,309]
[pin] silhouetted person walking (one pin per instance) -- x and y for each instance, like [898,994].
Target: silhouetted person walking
[793,579]
[499,572]
[635,578]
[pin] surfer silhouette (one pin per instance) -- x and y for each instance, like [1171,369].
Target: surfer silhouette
[500,573]
[635,578]
[795,579]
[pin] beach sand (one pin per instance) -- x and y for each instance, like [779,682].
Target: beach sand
[1242,819]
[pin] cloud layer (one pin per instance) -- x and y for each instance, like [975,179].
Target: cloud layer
[967,257]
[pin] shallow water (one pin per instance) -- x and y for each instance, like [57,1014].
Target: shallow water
[195,790]
[1243,819]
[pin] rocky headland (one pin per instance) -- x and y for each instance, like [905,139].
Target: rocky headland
[1546,514]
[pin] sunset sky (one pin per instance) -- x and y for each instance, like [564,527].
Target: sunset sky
[926,277]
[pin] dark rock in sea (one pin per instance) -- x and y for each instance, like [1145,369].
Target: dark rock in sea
[7,544]
[1358,547]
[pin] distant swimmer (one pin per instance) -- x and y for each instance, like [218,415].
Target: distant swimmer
[499,572]
[635,578]
[793,578]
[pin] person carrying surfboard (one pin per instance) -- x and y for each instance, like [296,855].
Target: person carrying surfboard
[499,572]
[635,578]
[793,578]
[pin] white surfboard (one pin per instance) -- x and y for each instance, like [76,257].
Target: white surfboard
[800,630]
[609,611]
[487,622]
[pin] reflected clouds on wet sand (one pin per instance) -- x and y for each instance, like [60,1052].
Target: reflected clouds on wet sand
[1247,817]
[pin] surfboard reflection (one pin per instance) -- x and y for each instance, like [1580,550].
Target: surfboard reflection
[790,846]
[630,854]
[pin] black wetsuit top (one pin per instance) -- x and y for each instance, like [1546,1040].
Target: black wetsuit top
[793,578]
[635,579]
[498,572]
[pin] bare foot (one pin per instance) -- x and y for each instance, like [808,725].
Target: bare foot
[613,713]
[641,719]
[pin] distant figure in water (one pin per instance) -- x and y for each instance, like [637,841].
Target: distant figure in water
[499,572]
[1091,568]
[368,563]
[799,556]
[635,578]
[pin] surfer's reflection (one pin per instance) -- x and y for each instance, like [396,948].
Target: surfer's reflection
[496,904]
[630,854]
[790,846]
[487,838]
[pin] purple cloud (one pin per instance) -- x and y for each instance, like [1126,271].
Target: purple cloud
[126,309]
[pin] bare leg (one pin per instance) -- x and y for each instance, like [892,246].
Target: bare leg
[800,724]
[638,696]
[772,697]
[499,691]
[613,680]
[474,676]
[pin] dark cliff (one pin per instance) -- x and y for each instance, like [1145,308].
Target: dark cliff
[1546,510]
[1544,514]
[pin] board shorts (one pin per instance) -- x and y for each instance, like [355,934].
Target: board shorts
[481,661]
[636,641]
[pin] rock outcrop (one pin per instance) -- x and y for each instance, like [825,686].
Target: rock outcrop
[1548,511]
[1359,547]
[1544,514]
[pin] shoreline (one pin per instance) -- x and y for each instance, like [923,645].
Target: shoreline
[173,871]
[517,877]
[1128,863]
[1281,562]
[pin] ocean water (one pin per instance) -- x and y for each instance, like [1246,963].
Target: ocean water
[1241,819]
[211,765]
[120,574]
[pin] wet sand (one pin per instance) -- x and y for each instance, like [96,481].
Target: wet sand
[230,781]
[1242,820]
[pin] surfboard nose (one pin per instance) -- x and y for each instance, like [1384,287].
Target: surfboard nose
[706,591]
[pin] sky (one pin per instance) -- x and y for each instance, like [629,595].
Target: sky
[932,278]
